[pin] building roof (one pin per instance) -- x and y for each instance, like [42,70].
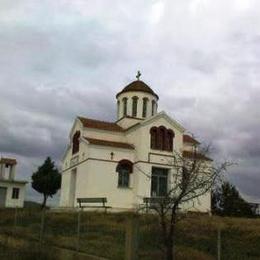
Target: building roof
[92,123]
[13,181]
[8,161]
[139,86]
[189,139]
[109,143]
[192,155]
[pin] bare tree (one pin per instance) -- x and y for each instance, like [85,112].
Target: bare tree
[193,176]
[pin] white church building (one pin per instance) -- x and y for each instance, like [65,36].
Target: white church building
[129,159]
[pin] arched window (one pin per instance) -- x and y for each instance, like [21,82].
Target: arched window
[153,134]
[145,101]
[124,106]
[75,142]
[169,140]
[134,106]
[118,109]
[161,138]
[153,107]
[124,168]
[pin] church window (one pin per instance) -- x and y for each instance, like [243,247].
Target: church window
[75,142]
[134,106]
[161,138]
[124,168]
[153,107]
[124,106]
[153,135]
[118,109]
[159,182]
[145,101]
[169,140]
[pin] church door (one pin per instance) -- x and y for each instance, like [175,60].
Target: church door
[159,185]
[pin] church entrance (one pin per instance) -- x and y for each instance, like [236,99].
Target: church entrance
[159,184]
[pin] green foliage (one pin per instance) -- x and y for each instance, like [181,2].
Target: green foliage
[226,201]
[46,180]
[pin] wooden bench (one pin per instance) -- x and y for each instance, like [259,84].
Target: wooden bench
[102,201]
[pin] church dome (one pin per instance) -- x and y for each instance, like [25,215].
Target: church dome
[138,86]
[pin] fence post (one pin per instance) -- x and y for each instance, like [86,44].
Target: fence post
[78,230]
[219,244]
[131,242]
[42,225]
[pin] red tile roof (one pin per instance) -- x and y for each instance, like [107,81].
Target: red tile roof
[189,139]
[139,86]
[191,155]
[9,161]
[92,123]
[109,143]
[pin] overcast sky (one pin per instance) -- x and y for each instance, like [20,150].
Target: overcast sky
[60,59]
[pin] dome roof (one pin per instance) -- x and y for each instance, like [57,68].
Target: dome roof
[139,86]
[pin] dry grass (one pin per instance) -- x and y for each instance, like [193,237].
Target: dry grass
[104,234]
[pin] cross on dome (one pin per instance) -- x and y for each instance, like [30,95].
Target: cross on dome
[138,75]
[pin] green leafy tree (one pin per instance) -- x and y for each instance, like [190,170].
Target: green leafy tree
[226,201]
[46,180]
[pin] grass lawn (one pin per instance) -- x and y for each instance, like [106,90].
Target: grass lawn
[104,235]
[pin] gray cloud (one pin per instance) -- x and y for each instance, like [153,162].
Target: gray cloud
[60,59]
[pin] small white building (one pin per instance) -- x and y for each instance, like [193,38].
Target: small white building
[128,159]
[12,191]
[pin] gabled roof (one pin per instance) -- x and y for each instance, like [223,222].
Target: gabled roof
[109,143]
[92,123]
[189,139]
[192,155]
[138,86]
[8,161]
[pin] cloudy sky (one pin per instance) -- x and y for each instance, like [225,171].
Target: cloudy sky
[61,58]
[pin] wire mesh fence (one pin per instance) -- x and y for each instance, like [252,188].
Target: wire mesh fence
[36,234]
[83,232]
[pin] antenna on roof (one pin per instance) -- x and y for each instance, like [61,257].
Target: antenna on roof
[138,75]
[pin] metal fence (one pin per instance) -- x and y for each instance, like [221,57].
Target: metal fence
[80,232]
[36,234]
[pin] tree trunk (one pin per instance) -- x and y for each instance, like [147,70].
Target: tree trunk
[171,237]
[169,249]
[169,252]
[44,201]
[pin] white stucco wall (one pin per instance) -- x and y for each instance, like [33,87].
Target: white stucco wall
[96,175]
[10,202]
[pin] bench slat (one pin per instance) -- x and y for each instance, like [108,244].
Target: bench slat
[92,200]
